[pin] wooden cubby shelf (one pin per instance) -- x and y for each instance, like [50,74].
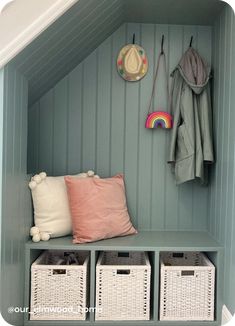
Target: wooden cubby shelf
[152,242]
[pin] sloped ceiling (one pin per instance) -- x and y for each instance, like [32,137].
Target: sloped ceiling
[67,42]
[88,23]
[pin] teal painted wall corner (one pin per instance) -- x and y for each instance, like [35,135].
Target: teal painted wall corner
[1,161]
[16,214]
[222,189]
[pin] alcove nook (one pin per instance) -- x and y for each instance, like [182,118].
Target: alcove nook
[65,109]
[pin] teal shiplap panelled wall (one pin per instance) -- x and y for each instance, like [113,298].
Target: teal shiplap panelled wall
[1,156]
[222,189]
[16,212]
[93,119]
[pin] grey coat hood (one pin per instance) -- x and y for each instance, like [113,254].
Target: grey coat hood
[194,70]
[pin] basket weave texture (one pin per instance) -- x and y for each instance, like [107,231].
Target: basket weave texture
[187,287]
[59,292]
[123,286]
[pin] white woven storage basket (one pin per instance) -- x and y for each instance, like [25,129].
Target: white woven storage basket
[187,287]
[59,292]
[123,286]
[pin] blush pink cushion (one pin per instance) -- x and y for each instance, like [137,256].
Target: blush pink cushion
[98,208]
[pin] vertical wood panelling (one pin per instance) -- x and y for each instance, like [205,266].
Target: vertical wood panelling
[89,113]
[7,186]
[221,142]
[200,197]
[75,121]
[230,244]
[46,133]
[186,194]
[172,193]
[230,170]
[213,174]
[118,100]
[60,127]
[131,133]
[1,138]
[3,76]
[222,190]
[99,124]
[224,131]
[144,171]
[33,139]
[15,209]
[16,236]
[8,174]
[159,159]
[204,42]
[104,86]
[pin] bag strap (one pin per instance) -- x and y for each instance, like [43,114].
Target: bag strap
[162,54]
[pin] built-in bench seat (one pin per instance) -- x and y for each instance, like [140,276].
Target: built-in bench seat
[144,240]
[152,242]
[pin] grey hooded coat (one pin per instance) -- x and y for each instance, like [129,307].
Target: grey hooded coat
[191,147]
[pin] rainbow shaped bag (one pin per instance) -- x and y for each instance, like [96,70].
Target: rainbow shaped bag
[161,118]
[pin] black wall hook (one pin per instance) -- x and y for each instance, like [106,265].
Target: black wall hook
[162,50]
[191,42]
[133,40]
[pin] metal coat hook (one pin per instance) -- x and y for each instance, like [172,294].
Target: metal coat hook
[162,50]
[191,41]
[133,40]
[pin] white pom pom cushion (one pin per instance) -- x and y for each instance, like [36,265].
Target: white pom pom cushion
[50,201]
